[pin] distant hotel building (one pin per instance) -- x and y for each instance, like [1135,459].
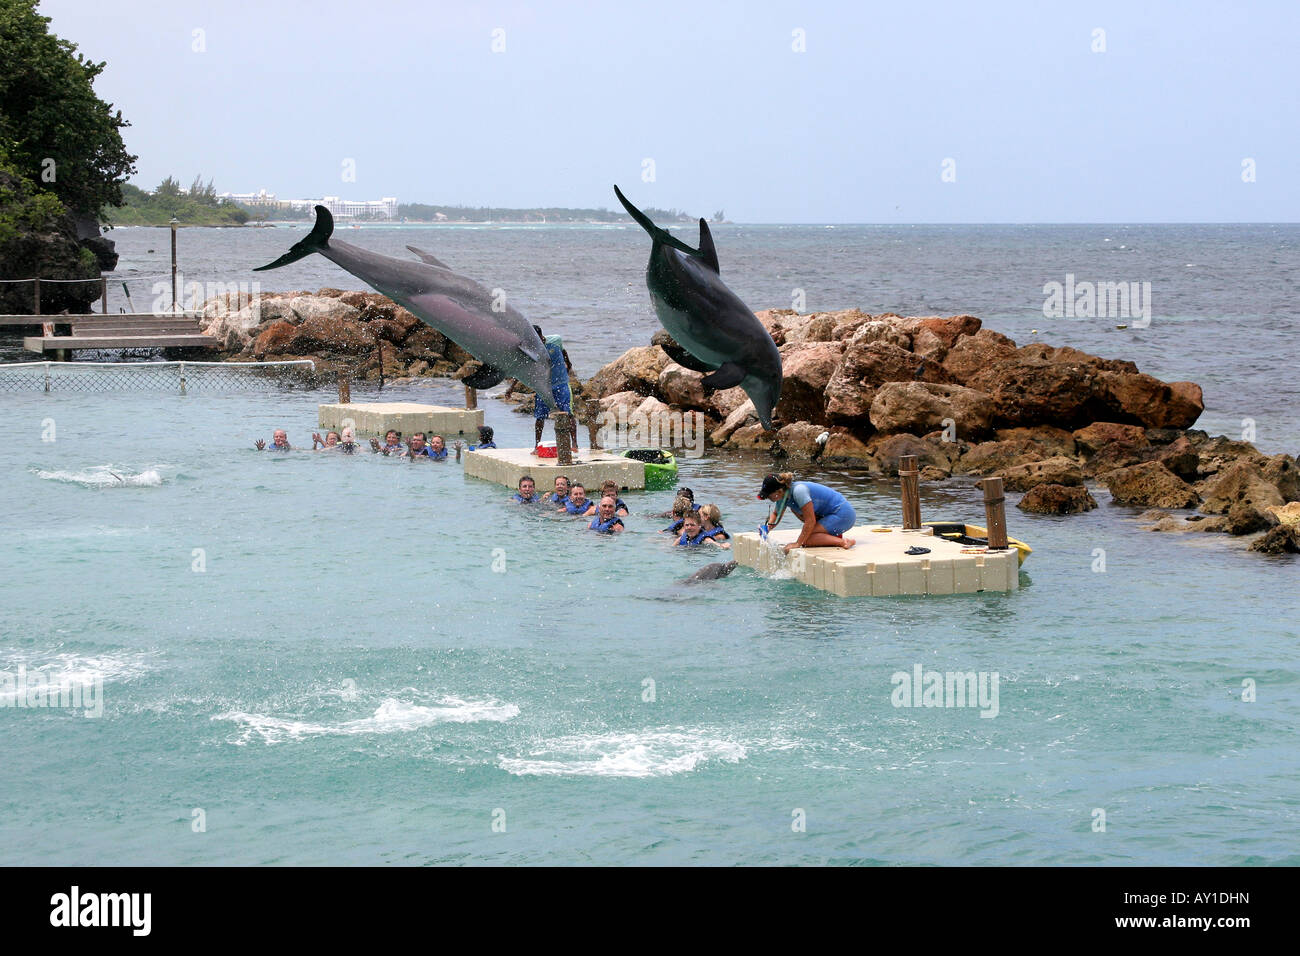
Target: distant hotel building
[385,208]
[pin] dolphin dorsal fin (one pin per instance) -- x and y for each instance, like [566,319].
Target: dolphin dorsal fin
[428,257]
[708,252]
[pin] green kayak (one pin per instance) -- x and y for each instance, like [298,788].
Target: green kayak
[660,467]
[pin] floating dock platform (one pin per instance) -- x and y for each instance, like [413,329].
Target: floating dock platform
[877,566]
[374,419]
[506,466]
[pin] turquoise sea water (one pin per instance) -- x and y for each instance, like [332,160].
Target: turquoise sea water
[349,680]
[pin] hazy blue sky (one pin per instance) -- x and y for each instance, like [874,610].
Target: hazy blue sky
[854,129]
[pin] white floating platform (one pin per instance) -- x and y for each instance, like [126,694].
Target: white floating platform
[506,466]
[373,419]
[877,565]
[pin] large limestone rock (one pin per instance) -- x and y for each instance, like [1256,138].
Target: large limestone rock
[945,330]
[972,353]
[868,328]
[742,416]
[1111,445]
[1154,403]
[799,440]
[995,457]
[886,450]
[867,366]
[1050,471]
[925,406]
[322,308]
[636,370]
[233,330]
[1055,441]
[681,386]
[724,402]
[1149,485]
[807,368]
[1049,499]
[1242,483]
[1028,390]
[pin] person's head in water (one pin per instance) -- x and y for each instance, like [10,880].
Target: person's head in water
[417,443]
[561,486]
[577,494]
[775,487]
[485,434]
[686,493]
[606,507]
[331,439]
[691,524]
[348,440]
[610,488]
[392,437]
[682,506]
[280,438]
[710,515]
[527,486]
[437,445]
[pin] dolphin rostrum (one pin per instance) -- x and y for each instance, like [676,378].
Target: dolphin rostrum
[707,319]
[457,306]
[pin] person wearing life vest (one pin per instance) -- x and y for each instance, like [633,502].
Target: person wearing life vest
[485,439]
[328,443]
[560,496]
[579,504]
[609,489]
[826,513]
[527,493]
[681,507]
[711,526]
[692,530]
[606,521]
[392,443]
[279,442]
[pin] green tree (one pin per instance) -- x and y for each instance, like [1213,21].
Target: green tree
[59,135]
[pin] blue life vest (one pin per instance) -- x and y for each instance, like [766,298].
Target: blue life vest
[605,527]
[674,527]
[435,455]
[695,540]
[573,509]
[486,444]
[527,501]
[717,531]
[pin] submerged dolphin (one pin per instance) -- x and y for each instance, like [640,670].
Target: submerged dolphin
[457,306]
[711,572]
[707,319]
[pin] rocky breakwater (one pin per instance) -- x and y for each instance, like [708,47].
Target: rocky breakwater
[862,390]
[338,330]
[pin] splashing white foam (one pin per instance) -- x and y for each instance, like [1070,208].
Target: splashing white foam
[390,716]
[654,753]
[78,669]
[105,476]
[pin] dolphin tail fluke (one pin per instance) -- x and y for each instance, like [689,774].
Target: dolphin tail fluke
[315,241]
[657,234]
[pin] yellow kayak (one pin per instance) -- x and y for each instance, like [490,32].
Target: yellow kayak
[975,535]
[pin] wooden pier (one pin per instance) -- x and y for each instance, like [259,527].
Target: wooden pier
[128,330]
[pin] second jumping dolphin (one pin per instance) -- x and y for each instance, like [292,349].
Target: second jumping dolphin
[707,319]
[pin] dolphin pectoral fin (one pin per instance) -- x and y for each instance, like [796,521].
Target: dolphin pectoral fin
[728,375]
[429,258]
[708,251]
[485,377]
[315,241]
[682,357]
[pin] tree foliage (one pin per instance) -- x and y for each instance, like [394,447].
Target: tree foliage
[58,134]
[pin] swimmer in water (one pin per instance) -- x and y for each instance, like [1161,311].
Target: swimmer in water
[279,442]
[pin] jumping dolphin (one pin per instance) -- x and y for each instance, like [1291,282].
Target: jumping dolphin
[707,319]
[457,306]
[711,572]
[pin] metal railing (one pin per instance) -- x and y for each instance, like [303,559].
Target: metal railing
[175,377]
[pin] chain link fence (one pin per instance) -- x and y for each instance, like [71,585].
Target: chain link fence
[178,378]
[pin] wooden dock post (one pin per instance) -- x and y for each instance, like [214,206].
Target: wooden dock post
[345,388]
[174,223]
[907,475]
[563,436]
[36,295]
[471,398]
[995,513]
[103,295]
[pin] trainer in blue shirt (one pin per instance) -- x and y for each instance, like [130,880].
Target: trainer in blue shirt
[826,513]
